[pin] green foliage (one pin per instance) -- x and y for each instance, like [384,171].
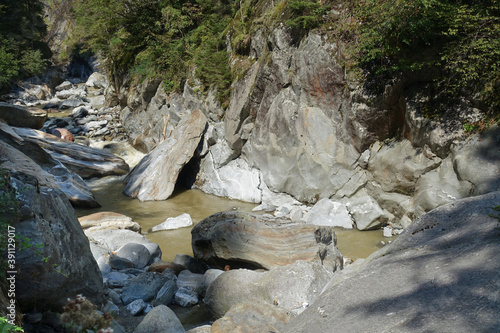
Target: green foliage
[306,14]
[458,40]
[161,39]
[22,32]
[5,327]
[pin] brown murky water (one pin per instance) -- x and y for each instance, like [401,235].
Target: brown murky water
[108,191]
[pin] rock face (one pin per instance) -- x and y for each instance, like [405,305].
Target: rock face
[58,262]
[85,161]
[241,239]
[21,116]
[154,178]
[442,267]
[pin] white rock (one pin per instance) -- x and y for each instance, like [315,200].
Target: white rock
[387,232]
[329,213]
[180,221]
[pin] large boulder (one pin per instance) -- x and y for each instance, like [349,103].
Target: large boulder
[109,220]
[160,320]
[154,178]
[291,287]
[85,161]
[241,239]
[440,275]
[56,262]
[22,116]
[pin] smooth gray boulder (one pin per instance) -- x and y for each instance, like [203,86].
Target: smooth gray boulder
[293,287]
[57,262]
[136,253]
[329,213]
[241,239]
[160,320]
[440,275]
[154,178]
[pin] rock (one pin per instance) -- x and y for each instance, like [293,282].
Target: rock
[478,161]
[119,263]
[442,266]
[47,170]
[62,133]
[236,180]
[207,279]
[62,266]
[160,266]
[136,307]
[111,308]
[291,287]
[200,329]
[242,239]
[144,286]
[181,221]
[155,176]
[252,317]
[296,214]
[96,80]
[109,220]
[71,103]
[79,112]
[166,294]
[137,253]
[192,264]
[64,86]
[387,232]
[20,116]
[115,239]
[117,279]
[160,320]
[188,279]
[367,213]
[329,213]
[186,296]
[85,161]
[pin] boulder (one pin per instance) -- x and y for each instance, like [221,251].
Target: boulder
[181,221]
[62,133]
[71,103]
[136,307]
[22,116]
[160,320]
[160,266]
[136,253]
[329,213]
[366,213]
[97,80]
[109,220]
[241,239]
[252,318]
[57,262]
[154,178]
[166,293]
[291,287]
[186,296]
[84,161]
[207,279]
[192,264]
[440,275]
[188,279]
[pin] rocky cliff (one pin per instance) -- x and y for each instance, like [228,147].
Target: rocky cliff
[296,125]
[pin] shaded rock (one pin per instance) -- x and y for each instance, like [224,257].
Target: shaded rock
[160,320]
[155,176]
[22,116]
[85,161]
[181,221]
[186,296]
[136,307]
[109,220]
[166,294]
[291,287]
[329,213]
[137,253]
[200,329]
[46,217]
[64,86]
[117,279]
[252,318]
[97,80]
[188,279]
[111,308]
[72,103]
[120,263]
[443,266]
[242,239]
[144,286]
[160,266]
[62,133]
[192,264]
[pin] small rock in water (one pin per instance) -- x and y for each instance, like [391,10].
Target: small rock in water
[136,307]
[387,232]
[180,221]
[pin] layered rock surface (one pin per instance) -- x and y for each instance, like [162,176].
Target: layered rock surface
[241,239]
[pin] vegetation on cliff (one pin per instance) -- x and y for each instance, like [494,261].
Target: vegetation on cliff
[22,47]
